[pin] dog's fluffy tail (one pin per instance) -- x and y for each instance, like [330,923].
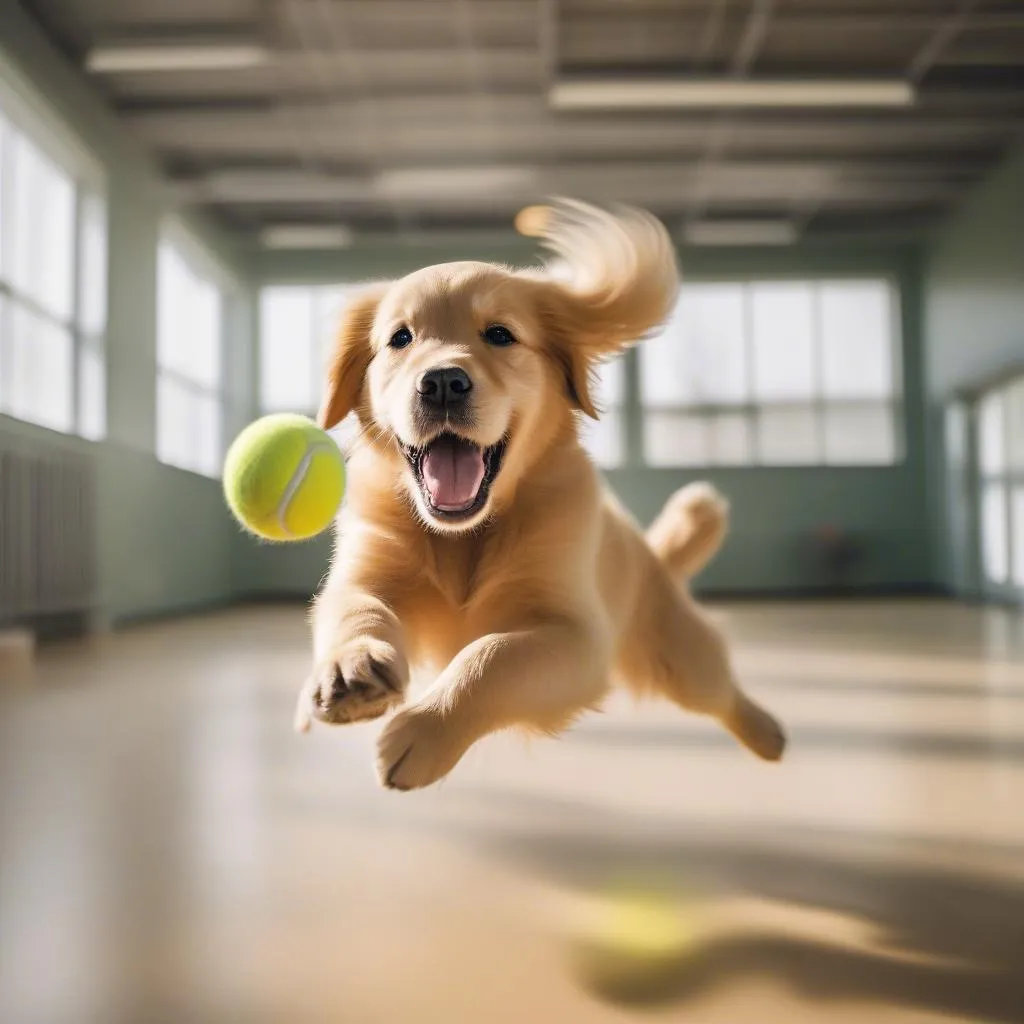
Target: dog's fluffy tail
[690,529]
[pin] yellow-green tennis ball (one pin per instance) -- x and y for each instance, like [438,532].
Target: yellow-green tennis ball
[284,478]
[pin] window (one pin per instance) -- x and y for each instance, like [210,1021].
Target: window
[1000,439]
[604,438]
[298,324]
[773,373]
[189,402]
[53,241]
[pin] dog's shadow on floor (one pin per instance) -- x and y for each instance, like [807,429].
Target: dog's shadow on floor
[948,941]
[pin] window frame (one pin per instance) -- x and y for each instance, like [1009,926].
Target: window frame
[25,113]
[204,265]
[819,403]
[1009,478]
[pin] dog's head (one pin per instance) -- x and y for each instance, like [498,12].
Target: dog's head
[468,373]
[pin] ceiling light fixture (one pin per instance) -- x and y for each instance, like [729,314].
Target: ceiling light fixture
[414,182]
[127,58]
[651,94]
[740,232]
[306,236]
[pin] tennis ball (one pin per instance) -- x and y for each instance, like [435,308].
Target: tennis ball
[284,478]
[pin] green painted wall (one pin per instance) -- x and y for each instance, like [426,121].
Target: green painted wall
[164,540]
[774,511]
[974,332]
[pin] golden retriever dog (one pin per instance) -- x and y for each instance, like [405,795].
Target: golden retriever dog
[477,543]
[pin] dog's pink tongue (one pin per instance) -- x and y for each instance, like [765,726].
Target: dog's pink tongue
[453,471]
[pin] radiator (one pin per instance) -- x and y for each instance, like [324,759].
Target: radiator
[47,535]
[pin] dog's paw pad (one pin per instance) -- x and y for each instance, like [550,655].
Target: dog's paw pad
[358,685]
[415,750]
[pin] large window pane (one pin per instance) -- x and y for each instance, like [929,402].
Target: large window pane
[1014,412]
[42,232]
[859,434]
[93,265]
[1017,527]
[729,439]
[92,392]
[328,309]
[603,438]
[5,347]
[5,199]
[676,439]
[188,427]
[174,423]
[995,549]
[207,433]
[680,439]
[856,329]
[991,435]
[788,436]
[700,357]
[289,363]
[782,325]
[610,383]
[53,273]
[189,328]
[41,367]
[189,334]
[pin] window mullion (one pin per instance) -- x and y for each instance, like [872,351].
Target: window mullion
[818,370]
[631,418]
[753,421]
[77,299]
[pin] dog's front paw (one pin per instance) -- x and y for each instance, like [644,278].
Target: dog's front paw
[416,748]
[361,681]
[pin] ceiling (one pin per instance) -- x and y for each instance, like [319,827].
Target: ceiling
[413,118]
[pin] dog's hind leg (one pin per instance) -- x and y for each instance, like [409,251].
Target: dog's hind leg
[672,650]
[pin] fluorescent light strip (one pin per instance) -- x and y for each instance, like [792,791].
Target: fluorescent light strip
[413,182]
[306,236]
[147,57]
[736,232]
[613,94]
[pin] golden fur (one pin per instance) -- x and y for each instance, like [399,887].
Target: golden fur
[525,613]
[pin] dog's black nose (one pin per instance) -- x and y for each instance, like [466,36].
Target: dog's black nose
[448,386]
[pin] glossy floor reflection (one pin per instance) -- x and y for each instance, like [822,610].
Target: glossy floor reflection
[171,851]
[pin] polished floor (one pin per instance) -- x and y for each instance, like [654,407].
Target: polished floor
[171,852]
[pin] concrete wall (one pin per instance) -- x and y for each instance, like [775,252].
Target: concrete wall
[165,542]
[973,332]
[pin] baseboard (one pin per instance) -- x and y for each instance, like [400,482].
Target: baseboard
[148,618]
[824,593]
[275,597]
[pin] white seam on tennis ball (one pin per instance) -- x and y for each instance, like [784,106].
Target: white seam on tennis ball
[296,482]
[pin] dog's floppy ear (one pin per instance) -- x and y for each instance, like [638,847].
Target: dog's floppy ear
[616,282]
[351,356]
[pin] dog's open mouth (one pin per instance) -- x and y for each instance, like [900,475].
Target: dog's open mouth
[455,475]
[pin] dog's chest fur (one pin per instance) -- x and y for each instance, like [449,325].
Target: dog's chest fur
[464,588]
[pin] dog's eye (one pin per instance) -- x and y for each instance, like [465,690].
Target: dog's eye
[499,336]
[401,338]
